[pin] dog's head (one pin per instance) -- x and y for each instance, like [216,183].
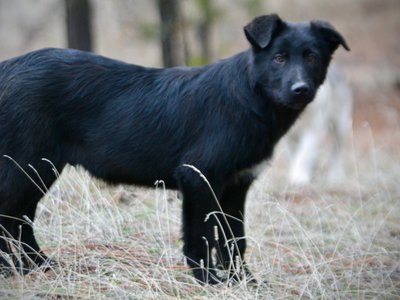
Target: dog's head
[290,60]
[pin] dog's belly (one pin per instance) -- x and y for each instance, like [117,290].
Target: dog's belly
[137,175]
[126,167]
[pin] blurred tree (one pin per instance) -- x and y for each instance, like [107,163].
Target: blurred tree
[172,41]
[204,28]
[78,18]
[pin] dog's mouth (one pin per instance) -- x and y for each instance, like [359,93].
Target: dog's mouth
[288,100]
[300,102]
[297,103]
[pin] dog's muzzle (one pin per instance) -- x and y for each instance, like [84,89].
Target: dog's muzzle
[300,89]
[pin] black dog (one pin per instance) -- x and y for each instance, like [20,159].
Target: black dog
[129,124]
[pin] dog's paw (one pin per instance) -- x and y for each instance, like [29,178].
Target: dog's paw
[207,276]
[6,272]
[48,265]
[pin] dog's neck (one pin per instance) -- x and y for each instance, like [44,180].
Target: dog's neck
[284,119]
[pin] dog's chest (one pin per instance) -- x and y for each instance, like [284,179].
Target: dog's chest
[255,170]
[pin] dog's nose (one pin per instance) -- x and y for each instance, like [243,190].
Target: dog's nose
[300,88]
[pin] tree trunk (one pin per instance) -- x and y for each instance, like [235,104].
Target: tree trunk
[204,29]
[78,18]
[172,46]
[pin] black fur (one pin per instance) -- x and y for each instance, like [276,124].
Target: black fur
[130,124]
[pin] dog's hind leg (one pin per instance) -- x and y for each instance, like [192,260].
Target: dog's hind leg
[9,207]
[31,255]
[6,257]
[19,197]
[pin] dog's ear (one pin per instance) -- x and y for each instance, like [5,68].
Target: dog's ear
[329,34]
[261,30]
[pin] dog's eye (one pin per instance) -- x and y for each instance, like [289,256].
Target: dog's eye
[280,58]
[311,58]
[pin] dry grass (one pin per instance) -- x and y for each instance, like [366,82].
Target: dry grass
[318,242]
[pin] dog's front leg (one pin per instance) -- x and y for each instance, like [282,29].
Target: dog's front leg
[232,241]
[198,201]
